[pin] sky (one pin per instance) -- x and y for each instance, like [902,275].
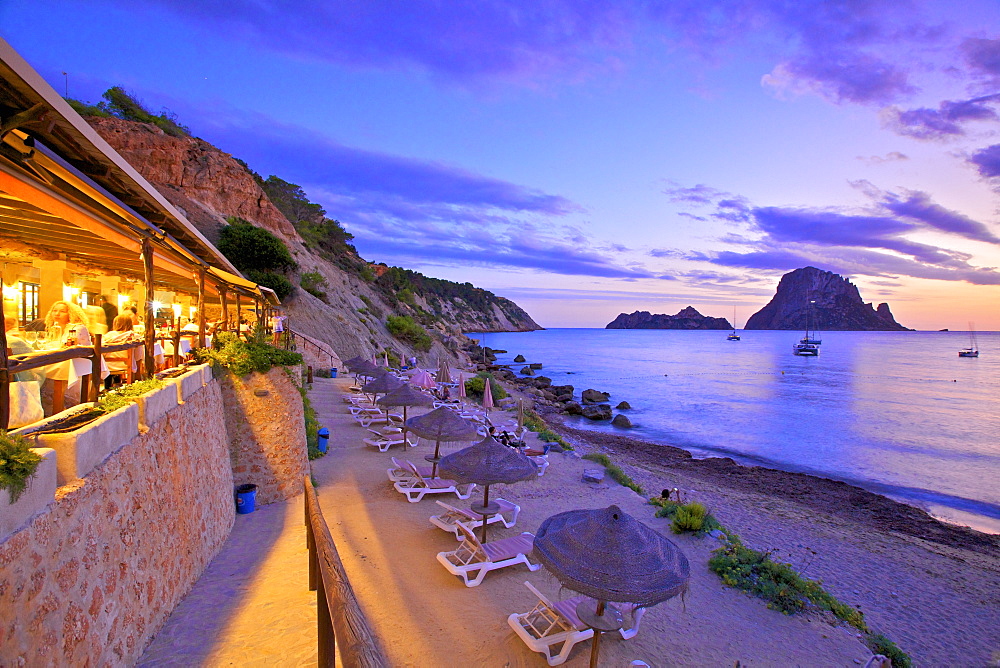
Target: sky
[591,157]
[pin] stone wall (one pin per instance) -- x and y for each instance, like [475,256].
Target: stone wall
[90,581]
[266,433]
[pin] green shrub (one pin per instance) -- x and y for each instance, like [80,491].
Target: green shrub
[312,425]
[615,471]
[242,357]
[476,386]
[17,463]
[689,517]
[282,286]
[536,424]
[313,283]
[250,247]
[406,296]
[879,644]
[126,394]
[405,329]
[122,104]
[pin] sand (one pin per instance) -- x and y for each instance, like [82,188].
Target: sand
[937,598]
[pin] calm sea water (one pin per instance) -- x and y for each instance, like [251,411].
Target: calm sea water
[898,413]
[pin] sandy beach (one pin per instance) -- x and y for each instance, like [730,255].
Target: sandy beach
[933,590]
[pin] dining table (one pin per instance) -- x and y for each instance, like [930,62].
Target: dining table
[66,374]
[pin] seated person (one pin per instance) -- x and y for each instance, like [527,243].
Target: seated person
[119,363]
[72,321]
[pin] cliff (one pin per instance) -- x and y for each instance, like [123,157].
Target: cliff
[349,302]
[687,318]
[837,305]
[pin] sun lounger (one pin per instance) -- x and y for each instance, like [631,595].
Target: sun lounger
[385,441]
[400,471]
[449,519]
[475,558]
[554,626]
[418,486]
[368,419]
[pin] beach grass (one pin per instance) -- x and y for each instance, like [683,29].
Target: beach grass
[536,424]
[615,471]
[690,517]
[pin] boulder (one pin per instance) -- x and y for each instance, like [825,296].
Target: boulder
[565,398]
[594,396]
[597,412]
[543,381]
[593,475]
[519,359]
[624,406]
[573,408]
[562,389]
[622,421]
[527,371]
[535,365]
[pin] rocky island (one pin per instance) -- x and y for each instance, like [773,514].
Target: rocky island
[811,297]
[687,318]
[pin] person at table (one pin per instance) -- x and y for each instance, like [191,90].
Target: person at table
[110,311]
[119,362]
[72,320]
[18,346]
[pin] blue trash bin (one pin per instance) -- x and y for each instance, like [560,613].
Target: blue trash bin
[333,372]
[246,499]
[323,435]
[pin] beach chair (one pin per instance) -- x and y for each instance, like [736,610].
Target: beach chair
[368,419]
[385,441]
[450,518]
[555,627]
[401,471]
[473,557]
[416,487]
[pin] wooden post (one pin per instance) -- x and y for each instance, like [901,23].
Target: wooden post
[309,374]
[148,317]
[4,381]
[201,308]
[224,323]
[176,335]
[95,369]
[239,315]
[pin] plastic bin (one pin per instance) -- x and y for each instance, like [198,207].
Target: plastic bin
[246,498]
[322,438]
[333,372]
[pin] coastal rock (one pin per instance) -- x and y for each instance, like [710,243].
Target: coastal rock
[519,359]
[543,381]
[591,396]
[597,412]
[564,398]
[593,475]
[687,318]
[823,300]
[622,421]
[624,406]
[562,389]
[573,408]
[535,365]
[527,371]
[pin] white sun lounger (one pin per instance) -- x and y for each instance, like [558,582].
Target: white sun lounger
[475,558]
[401,471]
[449,519]
[385,441]
[555,627]
[417,486]
[368,419]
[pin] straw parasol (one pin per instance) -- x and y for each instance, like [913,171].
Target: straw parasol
[353,362]
[383,384]
[610,556]
[406,396]
[366,368]
[488,463]
[441,424]
[444,373]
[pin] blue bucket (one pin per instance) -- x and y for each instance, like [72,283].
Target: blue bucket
[246,499]
[333,372]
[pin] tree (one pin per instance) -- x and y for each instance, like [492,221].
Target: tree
[250,247]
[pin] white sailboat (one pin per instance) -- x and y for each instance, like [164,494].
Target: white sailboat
[808,346]
[734,336]
[973,349]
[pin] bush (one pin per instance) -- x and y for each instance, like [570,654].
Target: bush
[312,426]
[879,644]
[242,357]
[405,329]
[313,283]
[476,386]
[250,247]
[126,394]
[17,463]
[615,471]
[122,104]
[282,286]
[406,296]
[536,424]
[689,517]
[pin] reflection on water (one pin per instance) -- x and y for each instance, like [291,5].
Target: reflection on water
[897,412]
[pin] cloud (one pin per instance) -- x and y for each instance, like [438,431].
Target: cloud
[918,206]
[861,79]
[891,156]
[987,161]
[942,123]
[982,56]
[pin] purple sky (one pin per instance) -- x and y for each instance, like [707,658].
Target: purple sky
[587,158]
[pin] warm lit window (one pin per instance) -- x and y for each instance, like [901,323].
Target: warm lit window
[28,310]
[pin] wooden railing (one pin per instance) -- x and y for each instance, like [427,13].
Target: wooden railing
[308,342]
[340,623]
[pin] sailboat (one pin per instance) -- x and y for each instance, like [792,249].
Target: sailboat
[973,349]
[808,346]
[734,336]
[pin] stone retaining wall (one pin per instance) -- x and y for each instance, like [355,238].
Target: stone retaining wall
[89,581]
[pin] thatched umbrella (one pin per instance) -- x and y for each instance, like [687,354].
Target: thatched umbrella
[406,396]
[441,424]
[382,385]
[353,362]
[610,556]
[488,463]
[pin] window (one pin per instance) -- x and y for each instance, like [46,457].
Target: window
[28,309]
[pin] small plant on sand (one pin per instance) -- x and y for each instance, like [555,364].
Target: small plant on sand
[879,644]
[615,471]
[687,517]
[17,463]
[475,387]
[536,424]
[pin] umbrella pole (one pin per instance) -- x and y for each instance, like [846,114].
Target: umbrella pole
[486,502]
[404,428]
[595,648]
[437,449]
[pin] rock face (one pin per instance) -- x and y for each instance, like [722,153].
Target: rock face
[837,305]
[687,318]
[208,185]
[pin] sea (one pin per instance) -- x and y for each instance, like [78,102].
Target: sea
[897,413]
